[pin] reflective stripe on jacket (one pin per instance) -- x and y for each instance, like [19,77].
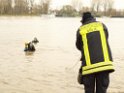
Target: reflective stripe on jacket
[95,49]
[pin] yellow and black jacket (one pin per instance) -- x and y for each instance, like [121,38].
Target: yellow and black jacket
[92,41]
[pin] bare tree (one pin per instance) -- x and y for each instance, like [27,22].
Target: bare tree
[21,7]
[1,7]
[77,4]
[107,6]
[95,5]
[31,5]
[5,6]
[44,5]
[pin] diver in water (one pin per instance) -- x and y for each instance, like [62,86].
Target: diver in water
[35,40]
[29,47]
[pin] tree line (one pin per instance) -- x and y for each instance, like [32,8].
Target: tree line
[98,8]
[29,7]
[23,7]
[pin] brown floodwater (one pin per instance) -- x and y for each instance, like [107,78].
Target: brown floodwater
[53,67]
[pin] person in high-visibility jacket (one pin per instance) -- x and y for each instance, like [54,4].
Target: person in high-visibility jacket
[29,47]
[92,41]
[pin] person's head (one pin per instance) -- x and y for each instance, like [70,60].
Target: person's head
[35,38]
[86,16]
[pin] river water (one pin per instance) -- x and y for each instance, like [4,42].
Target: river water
[53,67]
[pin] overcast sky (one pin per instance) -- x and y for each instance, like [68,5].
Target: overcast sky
[118,4]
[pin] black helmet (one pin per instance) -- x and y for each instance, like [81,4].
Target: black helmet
[86,16]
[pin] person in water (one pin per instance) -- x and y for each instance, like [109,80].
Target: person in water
[35,40]
[29,47]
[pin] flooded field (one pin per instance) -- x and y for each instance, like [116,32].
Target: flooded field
[53,67]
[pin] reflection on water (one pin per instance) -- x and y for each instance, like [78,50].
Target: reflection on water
[53,67]
[29,53]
